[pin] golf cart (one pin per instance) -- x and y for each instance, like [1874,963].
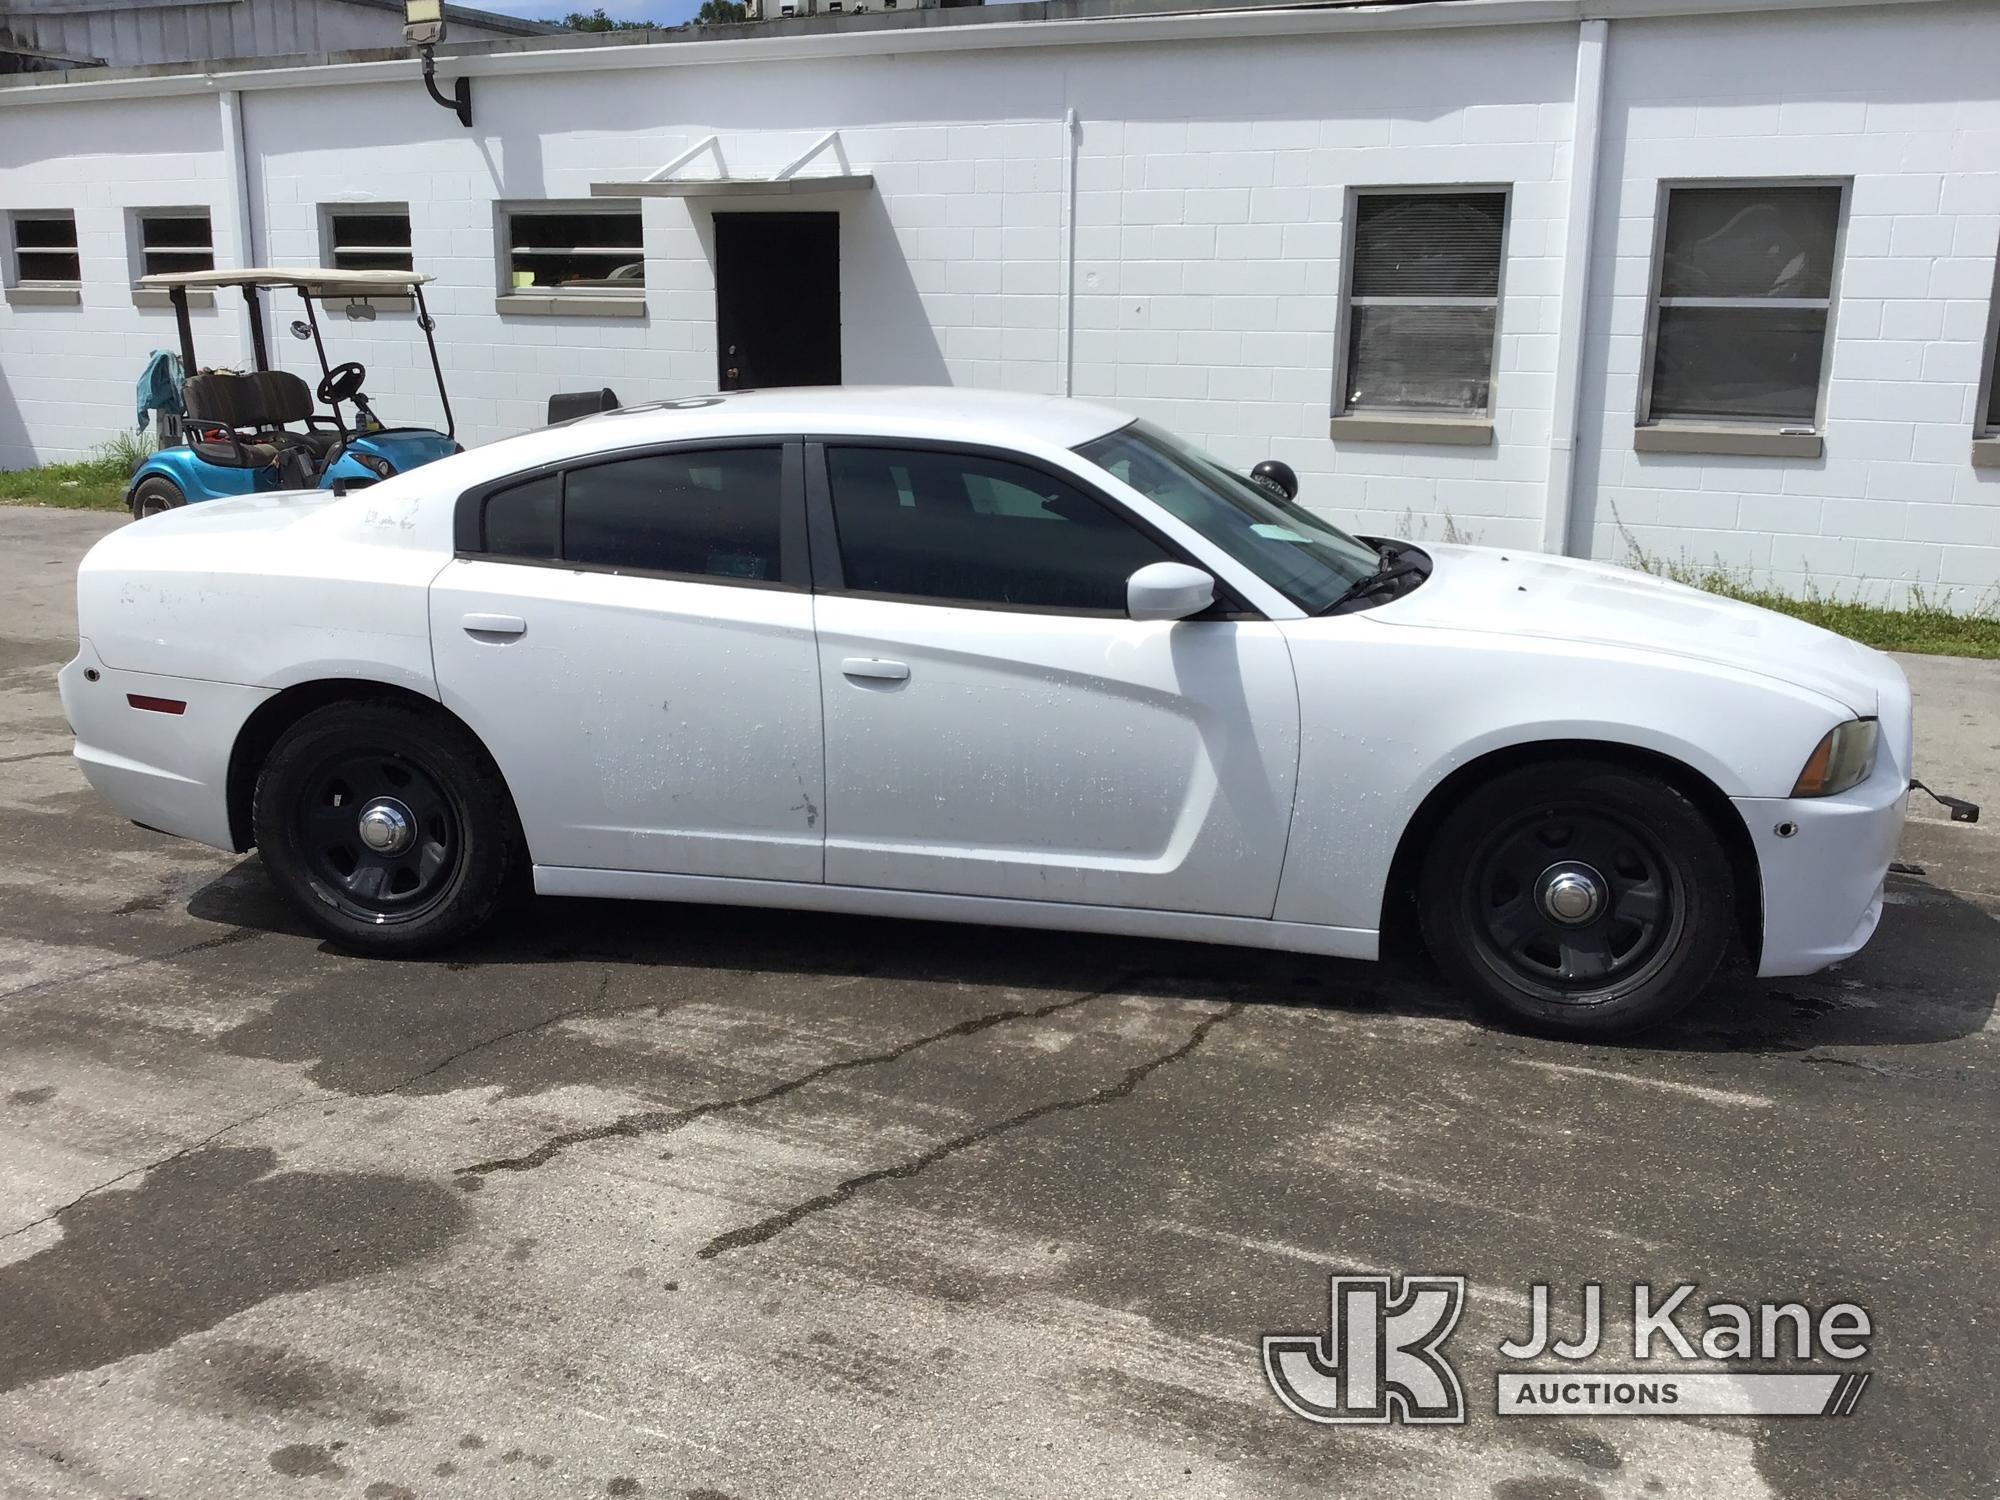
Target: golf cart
[238,432]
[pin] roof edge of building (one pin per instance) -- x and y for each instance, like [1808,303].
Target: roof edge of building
[1030,23]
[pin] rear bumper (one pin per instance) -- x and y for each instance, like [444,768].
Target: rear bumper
[1822,882]
[167,771]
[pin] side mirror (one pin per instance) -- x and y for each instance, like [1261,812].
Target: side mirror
[1276,474]
[1168,591]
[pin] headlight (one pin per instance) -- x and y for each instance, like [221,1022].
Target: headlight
[375,464]
[1842,760]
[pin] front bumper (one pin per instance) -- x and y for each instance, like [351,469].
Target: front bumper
[167,771]
[1822,879]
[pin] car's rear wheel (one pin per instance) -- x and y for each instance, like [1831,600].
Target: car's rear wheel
[386,824]
[154,495]
[1578,897]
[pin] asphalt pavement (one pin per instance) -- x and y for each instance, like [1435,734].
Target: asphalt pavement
[655,1201]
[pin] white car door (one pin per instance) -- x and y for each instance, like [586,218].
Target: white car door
[997,726]
[633,641]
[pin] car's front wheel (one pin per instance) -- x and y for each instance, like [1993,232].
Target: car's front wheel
[386,824]
[1578,897]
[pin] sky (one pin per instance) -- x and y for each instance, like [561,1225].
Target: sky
[661,12]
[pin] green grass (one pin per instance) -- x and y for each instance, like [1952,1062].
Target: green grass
[94,483]
[1927,624]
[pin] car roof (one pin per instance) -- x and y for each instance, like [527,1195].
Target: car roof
[952,413]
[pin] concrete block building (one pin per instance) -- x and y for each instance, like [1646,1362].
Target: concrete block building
[1692,276]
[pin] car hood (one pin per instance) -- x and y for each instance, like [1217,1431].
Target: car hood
[1527,594]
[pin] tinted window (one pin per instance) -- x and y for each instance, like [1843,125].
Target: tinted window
[521,521]
[959,527]
[714,513]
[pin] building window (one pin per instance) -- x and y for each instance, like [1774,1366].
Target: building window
[1743,295]
[45,253]
[174,239]
[595,247]
[366,236]
[1423,301]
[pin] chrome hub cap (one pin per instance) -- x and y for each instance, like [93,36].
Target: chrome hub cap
[1571,894]
[386,826]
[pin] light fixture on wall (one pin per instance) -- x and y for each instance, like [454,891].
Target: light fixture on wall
[423,28]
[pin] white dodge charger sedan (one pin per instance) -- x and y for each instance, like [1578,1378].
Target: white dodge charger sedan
[987,658]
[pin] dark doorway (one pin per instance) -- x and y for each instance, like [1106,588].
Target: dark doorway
[777,299]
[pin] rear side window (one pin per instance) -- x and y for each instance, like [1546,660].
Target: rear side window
[715,513]
[521,521]
[965,528]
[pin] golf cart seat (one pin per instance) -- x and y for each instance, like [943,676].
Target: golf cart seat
[283,397]
[254,409]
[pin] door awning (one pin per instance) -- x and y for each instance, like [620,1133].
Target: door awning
[735,187]
[724,184]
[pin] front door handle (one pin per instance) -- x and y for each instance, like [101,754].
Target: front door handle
[495,625]
[876,668]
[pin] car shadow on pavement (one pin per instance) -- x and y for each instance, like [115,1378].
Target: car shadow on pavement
[1928,976]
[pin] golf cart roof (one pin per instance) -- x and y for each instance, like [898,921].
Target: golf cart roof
[311,279]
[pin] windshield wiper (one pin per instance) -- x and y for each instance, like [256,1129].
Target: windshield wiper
[1386,576]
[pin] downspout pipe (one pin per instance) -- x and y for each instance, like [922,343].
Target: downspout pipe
[236,165]
[1067,310]
[1559,499]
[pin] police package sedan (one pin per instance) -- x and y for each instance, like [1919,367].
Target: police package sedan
[986,658]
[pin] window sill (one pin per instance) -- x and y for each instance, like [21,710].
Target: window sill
[1455,432]
[1986,452]
[568,305]
[1728,442]
[152,296]
[44,296]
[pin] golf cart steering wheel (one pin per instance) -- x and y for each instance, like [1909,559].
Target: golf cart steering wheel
[342,383]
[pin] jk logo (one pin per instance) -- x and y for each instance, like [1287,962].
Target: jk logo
[1379,1360]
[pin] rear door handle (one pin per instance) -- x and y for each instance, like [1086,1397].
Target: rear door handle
[875,667]
[495,625]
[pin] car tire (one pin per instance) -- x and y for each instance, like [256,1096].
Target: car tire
[1578,898]
[154,495]
[387,825]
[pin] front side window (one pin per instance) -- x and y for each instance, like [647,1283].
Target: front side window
[1423,294]
[1308,560]
[714,514]
[1743,292]
[963,528]
[175,239]
[45,251]
[596,247]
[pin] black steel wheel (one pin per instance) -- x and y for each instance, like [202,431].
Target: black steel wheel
[1579,897]
[154,495]
[387,824]
[379,835]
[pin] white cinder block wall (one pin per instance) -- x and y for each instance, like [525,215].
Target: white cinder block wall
[1905,103]
[1211,183]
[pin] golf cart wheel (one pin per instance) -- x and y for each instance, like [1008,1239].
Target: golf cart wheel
[1578,898]
[154,495]
[387,825]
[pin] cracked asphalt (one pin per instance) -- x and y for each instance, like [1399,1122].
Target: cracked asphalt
[657,1201]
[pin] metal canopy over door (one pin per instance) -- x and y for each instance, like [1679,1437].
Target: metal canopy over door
[777,299]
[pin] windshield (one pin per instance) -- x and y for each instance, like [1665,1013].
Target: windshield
[1306,559]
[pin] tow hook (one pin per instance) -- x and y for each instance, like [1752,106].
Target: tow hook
[1961,811]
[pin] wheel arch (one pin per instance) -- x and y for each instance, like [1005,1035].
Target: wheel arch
[267,724]
[1399,897]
